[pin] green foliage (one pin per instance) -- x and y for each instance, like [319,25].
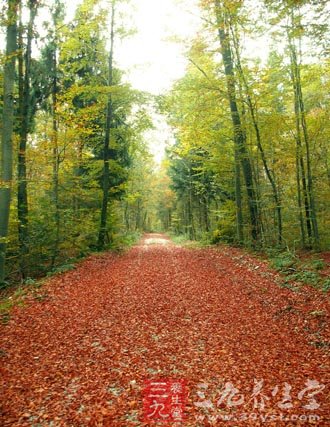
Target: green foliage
[5,307]
[284,261]
[61,269]
[121,242]
[306,277]
[185,241]
[30,281]
[7,303]
[202,162]
[299,271]
[318,264]
[226,226]
[326,285]
[180,239]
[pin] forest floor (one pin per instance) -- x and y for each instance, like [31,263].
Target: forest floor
[131,339]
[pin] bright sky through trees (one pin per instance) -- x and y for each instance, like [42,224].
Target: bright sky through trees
[236,90]
[152,60]
[151,57]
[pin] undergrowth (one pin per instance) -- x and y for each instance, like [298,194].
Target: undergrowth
[184,240]
[298,271]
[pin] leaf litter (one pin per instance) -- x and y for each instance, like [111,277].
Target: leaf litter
[210,316]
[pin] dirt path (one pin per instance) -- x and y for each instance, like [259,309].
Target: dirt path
[79,352]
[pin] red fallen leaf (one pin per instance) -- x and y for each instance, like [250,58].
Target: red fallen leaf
[26,415]
[207,316]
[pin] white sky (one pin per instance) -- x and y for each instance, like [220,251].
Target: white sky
[152,62]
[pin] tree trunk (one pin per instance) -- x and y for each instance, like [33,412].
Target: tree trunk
[238,196]
[206,213]
[127,216]
[25,118]
[302,136]
[253,115]
[299,198]
[56,159]
[239,135]
[6,170]
[310,186]
[109,119]
[55,148]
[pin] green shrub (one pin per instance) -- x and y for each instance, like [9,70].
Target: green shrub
[306,277]
[318,264]
[283,261]
[61,269]
[326,285]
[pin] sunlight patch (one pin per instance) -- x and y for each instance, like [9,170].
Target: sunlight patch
[156,241]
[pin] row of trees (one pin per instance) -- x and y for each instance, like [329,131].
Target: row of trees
[72,149]
[251,161]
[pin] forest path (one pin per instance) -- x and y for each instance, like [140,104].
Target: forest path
[78,352]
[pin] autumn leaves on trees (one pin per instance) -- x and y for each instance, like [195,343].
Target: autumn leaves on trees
[251,154]
[250,164]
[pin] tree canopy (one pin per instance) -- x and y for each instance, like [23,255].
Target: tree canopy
[250,163]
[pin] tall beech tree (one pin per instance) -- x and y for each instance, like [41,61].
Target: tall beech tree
[305,186]
[108,127]
[223,13]
[57,18]
[276,112]
[25,117]
[6,166]
[248,98]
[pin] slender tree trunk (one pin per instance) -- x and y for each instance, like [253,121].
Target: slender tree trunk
[138,216]
[201,222]
[57,16]
[127,217]
[302,136]
[6,165]
[190,216]
[310,186]
[206,213]
[239,135]
[109,119]
[56,158]
[187,216]
[299,198]
[253,115]
[326,163]
[238,196]
[301,174]
[25,118]
[144,223]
